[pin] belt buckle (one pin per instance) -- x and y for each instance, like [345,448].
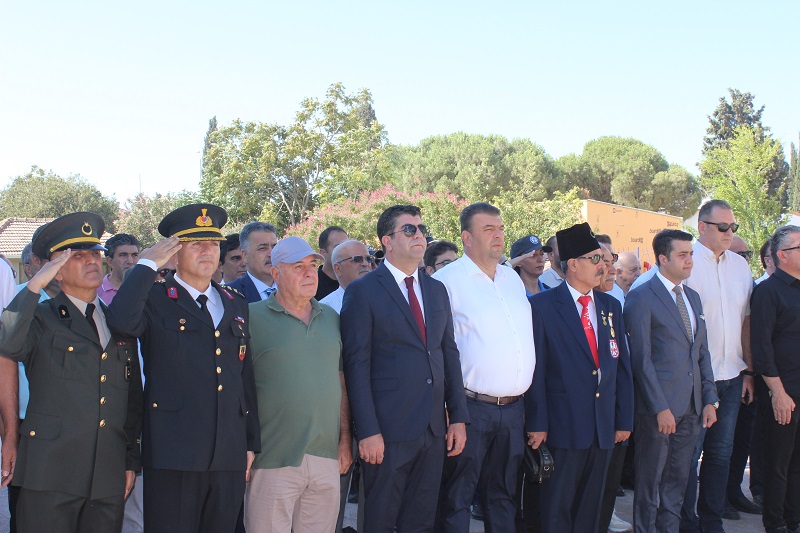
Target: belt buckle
[498,401]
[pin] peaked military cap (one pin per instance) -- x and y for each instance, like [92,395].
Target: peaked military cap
[195,222]
[78,231]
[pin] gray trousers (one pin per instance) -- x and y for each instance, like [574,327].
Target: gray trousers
[662,470]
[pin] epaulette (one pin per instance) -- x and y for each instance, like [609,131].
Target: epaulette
[231,289]
[160,281]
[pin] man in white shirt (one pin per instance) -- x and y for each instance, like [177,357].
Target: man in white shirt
[724,282]
[350,260]
[553,276]
[494,334]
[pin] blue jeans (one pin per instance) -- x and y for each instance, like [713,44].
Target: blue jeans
[716,444]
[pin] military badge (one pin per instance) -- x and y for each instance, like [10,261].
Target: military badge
[203,220]
[172,292]
[242,351]
[612,344]
[63,312]
[611,323]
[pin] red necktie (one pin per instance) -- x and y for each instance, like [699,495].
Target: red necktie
[588,329]
[416,310]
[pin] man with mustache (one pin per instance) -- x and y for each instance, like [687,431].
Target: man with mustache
[257,240]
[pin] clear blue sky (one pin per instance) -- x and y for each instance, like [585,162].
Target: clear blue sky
[123,94]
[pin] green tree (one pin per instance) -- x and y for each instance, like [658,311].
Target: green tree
[740,111]
[793,179]
[474,166]
[739,175]
[44,194]
[142,214]
[212,127]
[543,218]
[334,149]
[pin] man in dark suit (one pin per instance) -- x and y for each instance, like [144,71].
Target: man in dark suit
[581,399]
[257,240]
[79,447]
[201,421]
[674,383]
[402,369]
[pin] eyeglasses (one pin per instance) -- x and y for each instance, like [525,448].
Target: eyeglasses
[444,263]
[722,227]
[409,230]
[789,249]
[358,259]
[593,258]
[163,272]
[746,254]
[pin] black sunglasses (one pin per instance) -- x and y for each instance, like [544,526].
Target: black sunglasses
[746,254]
[358,259]
[409,230]
[722,227]
[789,249]
[163,272]
[593,258]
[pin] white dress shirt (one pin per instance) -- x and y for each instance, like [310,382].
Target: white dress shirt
[670,289]
[334,300]
[261,287]
[617,292]
[400,278]
[493,327]
[724,287]
[592,308]
[214,303]
[98,316]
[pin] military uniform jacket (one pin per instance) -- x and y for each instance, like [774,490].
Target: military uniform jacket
[84,418]
[200,410]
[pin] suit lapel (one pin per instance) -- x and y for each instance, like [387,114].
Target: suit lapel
[569,312]
[661,293]
[185,301]
[74,319]
[388,281]
[251,294]
[227,315]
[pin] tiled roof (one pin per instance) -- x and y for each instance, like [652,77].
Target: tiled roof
[15,233]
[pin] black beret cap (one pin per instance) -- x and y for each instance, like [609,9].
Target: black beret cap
[575,241]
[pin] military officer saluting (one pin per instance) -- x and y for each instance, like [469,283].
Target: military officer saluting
[78,447]
[201,425]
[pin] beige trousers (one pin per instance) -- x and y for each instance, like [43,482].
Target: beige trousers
[303,499]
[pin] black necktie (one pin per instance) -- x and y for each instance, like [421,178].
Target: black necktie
[90,318]
[202,300]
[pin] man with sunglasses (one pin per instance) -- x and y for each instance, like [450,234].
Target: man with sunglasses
[724,282]
[351,260]
[581,400]
[402,370]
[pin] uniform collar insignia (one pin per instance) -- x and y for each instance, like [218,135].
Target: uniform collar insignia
[172,292]
[63,312]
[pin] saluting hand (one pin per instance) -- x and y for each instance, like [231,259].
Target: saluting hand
[162,251]
[48,271]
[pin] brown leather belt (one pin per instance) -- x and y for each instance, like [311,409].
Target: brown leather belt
[494,400]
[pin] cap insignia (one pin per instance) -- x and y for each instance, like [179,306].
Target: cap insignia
[86,229]
[203,220]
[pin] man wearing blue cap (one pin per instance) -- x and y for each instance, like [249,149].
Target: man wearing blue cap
[78,449]
[201,420]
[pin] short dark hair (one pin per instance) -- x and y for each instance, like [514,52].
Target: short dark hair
[778,240]
[706,208]
[325,236]
[479,208]
[764,252]
[436,249]
[662,242]
[230,244]
[602,238]
[26,254]
[387,219]
[120,239]
[244,235]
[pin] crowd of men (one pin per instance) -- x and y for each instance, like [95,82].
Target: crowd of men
[216,383]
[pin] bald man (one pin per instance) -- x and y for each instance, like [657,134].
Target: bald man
[628,269]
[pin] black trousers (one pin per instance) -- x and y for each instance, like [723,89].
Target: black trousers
[13,498]
[192,502]
[58,512]
[401,492]
[613,478]
[781,467]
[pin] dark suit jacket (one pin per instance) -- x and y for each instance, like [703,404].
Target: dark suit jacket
[200,400]
[81,430]
[565,399]
[246,287]
[669,368]
[397,385]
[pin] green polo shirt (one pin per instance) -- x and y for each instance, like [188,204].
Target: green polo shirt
[296,370]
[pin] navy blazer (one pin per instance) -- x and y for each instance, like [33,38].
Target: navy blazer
[565,399]
[200,395]
[670,369]
[397,385]
[246,287]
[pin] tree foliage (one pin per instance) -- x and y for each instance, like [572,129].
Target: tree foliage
[44,194]
[142,214]
[542,218]
[793,179]
[629,172]
[724,123]
[739,174]
[334,149]
[477,167]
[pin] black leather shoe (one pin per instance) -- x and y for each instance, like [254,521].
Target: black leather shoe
[742,504]
[477,512]
[730,513]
